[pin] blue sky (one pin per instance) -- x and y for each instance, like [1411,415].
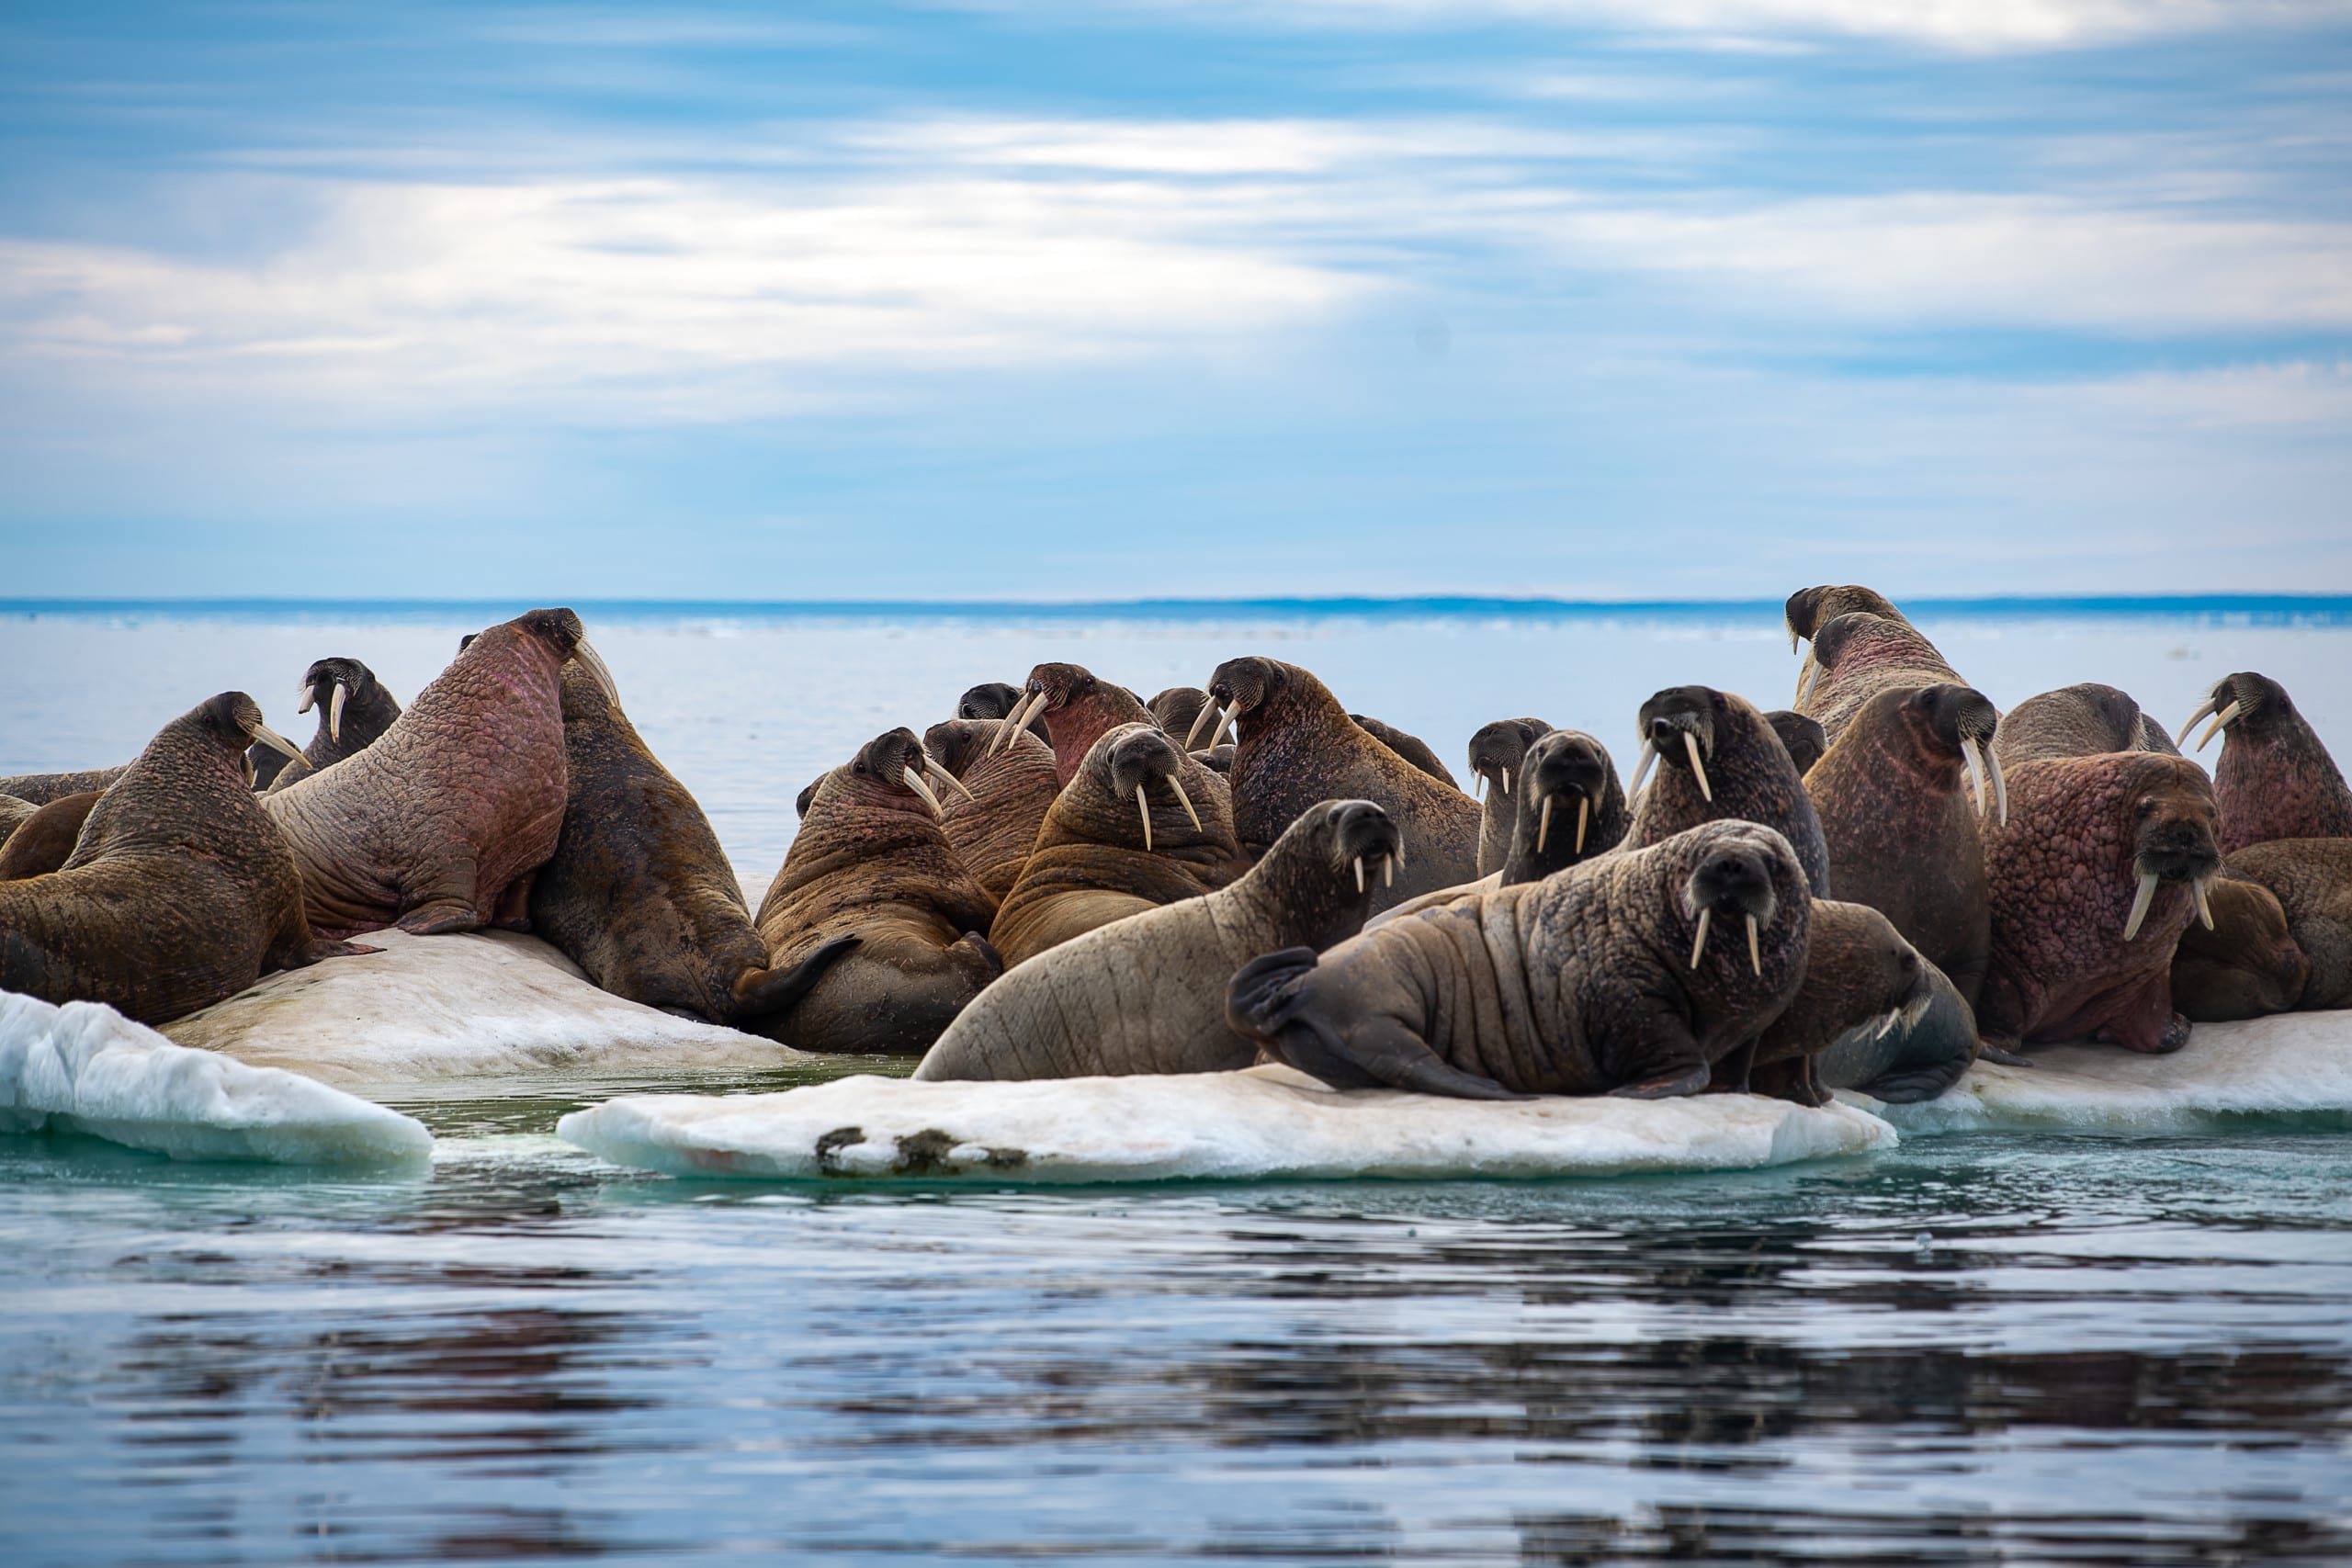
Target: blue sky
[1589,297]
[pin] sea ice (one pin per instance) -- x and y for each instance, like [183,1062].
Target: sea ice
[2293,1065]
[485,1003]
[84,1067]
[1265,1121]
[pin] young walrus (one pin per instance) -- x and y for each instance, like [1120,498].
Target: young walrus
[1004,793]
[1893,797]
[1498,753]
[179,893]
[1718,761]
[1631,975]
[40,789]
[440,824]
[1298,746]
[2275,779]
[871,866]
[1147,994]
[1860,976]
[1078,706]
[1859,655]
[2247,965]
[2083,720]
[353,712]
[45,840]
[2311,879]
[638,894]
[1141,824]
[2101,866]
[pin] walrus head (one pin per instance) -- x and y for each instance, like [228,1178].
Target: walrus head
[807,793]
[1957,724]
[2173,820]
[561,633]
[1239,687]
[1570,772]
[1678,725]
[1809,609]
[1361,833]
[233,720]
[1140,760]
[896,762]
[1800,737]
[1732,881]
[1498,751]
[1177,709]
[2245,706]
[2247,965]
[1864,637]
[331,684]
[989,699]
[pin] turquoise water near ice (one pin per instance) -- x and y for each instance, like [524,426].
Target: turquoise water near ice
[1969,1350]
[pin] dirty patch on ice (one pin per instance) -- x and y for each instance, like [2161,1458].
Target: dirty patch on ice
[2293,1070]
[1266,1121]
[83,1067]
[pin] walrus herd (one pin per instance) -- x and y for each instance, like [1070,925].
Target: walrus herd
[1870,889]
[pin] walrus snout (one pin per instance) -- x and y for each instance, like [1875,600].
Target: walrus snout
[1361,832]
[1679,724]
[896,759]
[1236,686]
[1960,722]
[1499,749]
[1565,767]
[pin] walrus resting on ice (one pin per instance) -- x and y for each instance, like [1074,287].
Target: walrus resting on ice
[2311,879]
[179,893]
[1147,995]
[2275,778]
[1632,974]
[2248,965]
[1859,977]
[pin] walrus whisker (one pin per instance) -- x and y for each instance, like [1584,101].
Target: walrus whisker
[1642,768]
[335,711]
[2204,908]
[587,654]
[1698,768]
[931,767]
[2206,709]
[1359,874]
[1755,952]
[1184,800]
[2221,721]
[2140,903]
[914,782]
[1200,720]
[1975,757]
[276,742]
[1544,825]
[1584,819]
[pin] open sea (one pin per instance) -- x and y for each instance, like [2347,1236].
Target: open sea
[1971,1349]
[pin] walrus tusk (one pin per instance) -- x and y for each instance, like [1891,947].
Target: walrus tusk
[1806,674]
[1706,917]
[587,655]
[335,711]
[1793,640]
[310,695]
[2221,721]
[914,782]
[1506,781]
[1018,719]
[1975,755]
[1642,768]
[1389,871]
[1193,736]
[1184,800]
[1479,793]
[2204,710]
[1143,808]
[2000,787]
[2204,910]
[1698,768]
[2140,902]
[931,767]
[1755,954]
[1888,1022]
[1359,874]
[1544,825]
[276,742]
[1584,816]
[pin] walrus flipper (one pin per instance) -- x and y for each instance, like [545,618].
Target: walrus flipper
[761,993]
[1267,1001]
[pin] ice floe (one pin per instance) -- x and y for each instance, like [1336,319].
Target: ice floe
[482,1004]
[84,1067]
[1265,1121]
[2295,1068]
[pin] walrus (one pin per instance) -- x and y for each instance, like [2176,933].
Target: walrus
[1860,974]
[2311,879]
[2086,719]
[179,893]
[1078,706]
[2104,860]
[1893,794]
[1412,748]
[2275,778]
[40,789]
[995,700]
[1147,994]
[1570,807]
[638,892]
[353,711]
[2247,965]
[1718,761]
[1808,610]
[1859,655]
[1176,709]
[440,824]
[1600,979]
[1497,752]
[872,876]
[1804,736]
[1001,800]
[1141,824]
[44,840]
[1298,746]
[1919,1057]
[13,812]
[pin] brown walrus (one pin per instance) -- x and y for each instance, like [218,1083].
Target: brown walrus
[1859,655]
[1600,979]
[440,824]
[180,893]
[1718,761]
[1570,807]
[1803,737]
[353,711]
[638,894]
[1002,796]
[1147,994]
[1858,975]
[1298,746]
[1412,748]
[44,840]
[2311,879]
[13,812]
[872,878]
[2274,779]
[2082,720]
[1808,610]
[40,789]
[1897,816]
[2247,965]
[1078,706]
[1176,710]
[1141,824]
[2102,865]
[995,700]
[1497,751]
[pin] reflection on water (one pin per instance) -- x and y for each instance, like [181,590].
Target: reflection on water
[1983,1350]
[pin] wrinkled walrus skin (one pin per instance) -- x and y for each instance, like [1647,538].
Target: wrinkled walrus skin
[2083,720]
[2274,778]
[871,887]
[2064,875]
[1858,972]
[1859,655]
[2311,879]
[1147,994]
[638,892]
[440,824]
[45,841]
[1298,746]
[1632,974]
[40,789]
[180,892]
[1119,839]
[1497,752]
[2247,965]
[1749,776]
[1012,787]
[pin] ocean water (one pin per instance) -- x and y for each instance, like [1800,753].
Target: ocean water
[1967,1350]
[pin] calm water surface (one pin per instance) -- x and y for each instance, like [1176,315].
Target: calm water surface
[1967,1350]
